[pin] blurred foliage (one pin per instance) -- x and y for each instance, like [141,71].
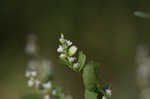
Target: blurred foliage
[142,14]
[104,29]
[33,96]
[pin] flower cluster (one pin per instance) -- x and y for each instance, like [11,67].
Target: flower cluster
[38,79]
[39,74]
[89,73]
[68,54]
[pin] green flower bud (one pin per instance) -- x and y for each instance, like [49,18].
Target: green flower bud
[62,40]
[72,50]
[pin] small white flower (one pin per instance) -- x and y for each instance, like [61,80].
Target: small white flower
[34,73]
[71,59]
[75,65]
[69,43]
[60,49]
[72,50]
[54,92]
[108,92]
[31,73]
[103,97]
[30,83]
[62,56]
[47,85]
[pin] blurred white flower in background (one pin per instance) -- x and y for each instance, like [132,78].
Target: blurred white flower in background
[54,92]
[31,47]
[30,82]
[47,85]
[38,70]
[143,72]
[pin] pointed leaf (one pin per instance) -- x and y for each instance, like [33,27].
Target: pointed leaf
[81,60]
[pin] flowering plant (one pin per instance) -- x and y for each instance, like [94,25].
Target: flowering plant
[89,71]
[40,72]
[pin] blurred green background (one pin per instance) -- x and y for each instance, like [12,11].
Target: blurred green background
[106,30]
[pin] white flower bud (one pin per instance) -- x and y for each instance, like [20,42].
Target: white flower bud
[72,50]
[62,40]
[75,65]
[47,85]
[60,49]
[62,56]
[30,83]
[62,35]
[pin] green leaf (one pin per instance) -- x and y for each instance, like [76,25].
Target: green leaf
[81,60]
[90,76]
[90,95]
